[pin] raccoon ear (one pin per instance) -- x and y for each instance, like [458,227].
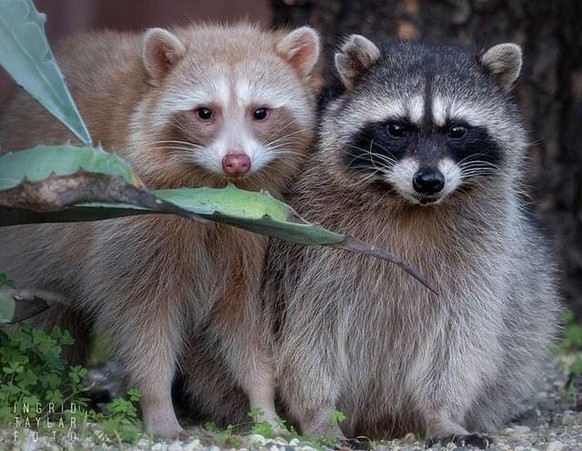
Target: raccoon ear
[301,49]
[354,58]
[504,62]
[160,51]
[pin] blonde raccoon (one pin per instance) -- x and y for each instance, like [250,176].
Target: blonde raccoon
[191,106]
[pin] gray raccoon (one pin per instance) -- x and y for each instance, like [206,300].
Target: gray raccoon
[422,154]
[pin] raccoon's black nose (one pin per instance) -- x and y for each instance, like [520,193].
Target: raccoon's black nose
[428,181]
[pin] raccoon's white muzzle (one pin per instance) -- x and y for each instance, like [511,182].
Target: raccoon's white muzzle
[425,185]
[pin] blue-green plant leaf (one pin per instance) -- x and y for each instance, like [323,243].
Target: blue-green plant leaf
[53,178]
[27,57]
[43,161]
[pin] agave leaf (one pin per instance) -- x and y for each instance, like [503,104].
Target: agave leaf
[257,212]
[27,57]
[51,178]
[44,161]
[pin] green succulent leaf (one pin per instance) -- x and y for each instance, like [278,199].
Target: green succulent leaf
[27,57]
[257,212]
[37,182]
[37,164]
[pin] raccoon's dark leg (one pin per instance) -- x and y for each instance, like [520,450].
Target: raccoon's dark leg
[476,440]
[440,429]
[206,388]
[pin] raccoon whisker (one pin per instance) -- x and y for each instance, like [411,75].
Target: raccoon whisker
[480,168]
[476,162]
[181,127]
[381,147]
[474,176]
[363,181]
[358,158]
[284,146]
[384,158]
[288,135]
[279,130]
[289,154]
[180,157]
[172,141]
[484,169]
[184,148]
[286,139]
[372,155]
[267,174]
[471,159]
[355,158]
[386,162]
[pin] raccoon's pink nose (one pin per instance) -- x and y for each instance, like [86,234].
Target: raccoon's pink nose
[236,163]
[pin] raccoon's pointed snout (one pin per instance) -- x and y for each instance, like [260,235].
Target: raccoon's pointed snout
[428,181]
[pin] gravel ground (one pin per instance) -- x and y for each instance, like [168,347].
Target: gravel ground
[549,424]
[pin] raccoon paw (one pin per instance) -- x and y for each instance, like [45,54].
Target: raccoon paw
[358,443]
[476,440]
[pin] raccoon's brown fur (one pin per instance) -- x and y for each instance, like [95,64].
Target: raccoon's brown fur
[152,282]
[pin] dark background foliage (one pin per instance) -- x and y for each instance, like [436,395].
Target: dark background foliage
[549,91]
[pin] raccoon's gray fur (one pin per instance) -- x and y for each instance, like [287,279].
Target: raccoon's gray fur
[422,154]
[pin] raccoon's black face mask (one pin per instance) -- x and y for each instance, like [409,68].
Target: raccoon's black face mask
[425,121]
[423,162]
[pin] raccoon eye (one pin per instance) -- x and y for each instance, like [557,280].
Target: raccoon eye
[396,130]
[457,131]
[260,114]
[204,113]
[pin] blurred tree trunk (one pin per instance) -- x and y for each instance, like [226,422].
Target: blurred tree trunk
[549,92]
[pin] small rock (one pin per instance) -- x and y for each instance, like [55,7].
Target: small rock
[143,443]
[215,448]
[568,417]
[555,446]
[257,438]
[519,430]
[175,446]
[193,445]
